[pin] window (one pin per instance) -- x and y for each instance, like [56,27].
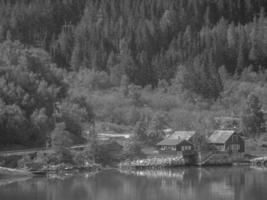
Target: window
[186,148]
[174,148]
[235,147]
[220,148]
[163,148]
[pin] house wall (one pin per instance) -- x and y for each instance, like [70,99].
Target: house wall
[236,142]
[184,146]
[168,149]
[217,146]
[194,140]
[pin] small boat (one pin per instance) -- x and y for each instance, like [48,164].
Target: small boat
[39,173]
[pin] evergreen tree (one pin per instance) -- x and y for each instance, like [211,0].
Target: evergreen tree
[60,137]
[124,86]
[240,60]
[140,134]
[252,117]
[156,126]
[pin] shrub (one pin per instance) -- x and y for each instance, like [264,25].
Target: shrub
[132,150]
[21,163]
[109,153]
[252,117]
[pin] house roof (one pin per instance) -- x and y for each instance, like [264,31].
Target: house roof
[220,136]
[177,137]
[227,118]
[169,142]
[182,135]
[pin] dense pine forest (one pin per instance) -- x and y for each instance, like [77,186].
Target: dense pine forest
[140,65]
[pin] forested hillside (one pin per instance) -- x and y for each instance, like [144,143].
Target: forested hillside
[128,61]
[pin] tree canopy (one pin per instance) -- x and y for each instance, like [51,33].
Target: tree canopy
[54,54]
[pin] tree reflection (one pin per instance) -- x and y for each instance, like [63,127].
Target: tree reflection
[183,183]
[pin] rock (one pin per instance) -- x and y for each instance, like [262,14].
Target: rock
[9,172]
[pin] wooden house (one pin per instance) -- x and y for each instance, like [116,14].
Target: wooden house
[180,142]
[226,141]
[264,125]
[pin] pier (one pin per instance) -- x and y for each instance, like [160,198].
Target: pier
[259,162]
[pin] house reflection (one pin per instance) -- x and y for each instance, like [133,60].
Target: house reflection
[182,183]
[228,183]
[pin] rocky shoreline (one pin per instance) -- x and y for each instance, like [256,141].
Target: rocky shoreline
[48,170]
[9,172]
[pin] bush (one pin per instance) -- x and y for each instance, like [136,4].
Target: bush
[109,153]
[88,80]
[132,150]
[252,117]
[21,163]
[80,158]
[64,156]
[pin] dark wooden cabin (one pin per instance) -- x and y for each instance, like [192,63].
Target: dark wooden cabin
[180,142]
[175,146]
[226,141]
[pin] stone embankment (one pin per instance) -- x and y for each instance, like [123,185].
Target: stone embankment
[153,163]
[213,159]
[201,159]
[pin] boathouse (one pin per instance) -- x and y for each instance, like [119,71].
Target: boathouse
[226,141]
[180,142]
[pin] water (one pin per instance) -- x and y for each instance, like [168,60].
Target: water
[231,183]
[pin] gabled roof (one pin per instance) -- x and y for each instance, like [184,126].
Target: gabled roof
[227,118]
[220,136]
[169,142]
[172,142]
[177,137]
[182,135]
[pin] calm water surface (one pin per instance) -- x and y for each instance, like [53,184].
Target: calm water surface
[231,183]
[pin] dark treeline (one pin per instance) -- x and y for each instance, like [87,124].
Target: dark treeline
[146,41]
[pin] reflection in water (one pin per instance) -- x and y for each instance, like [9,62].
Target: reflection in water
[231,183]
[7,181]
